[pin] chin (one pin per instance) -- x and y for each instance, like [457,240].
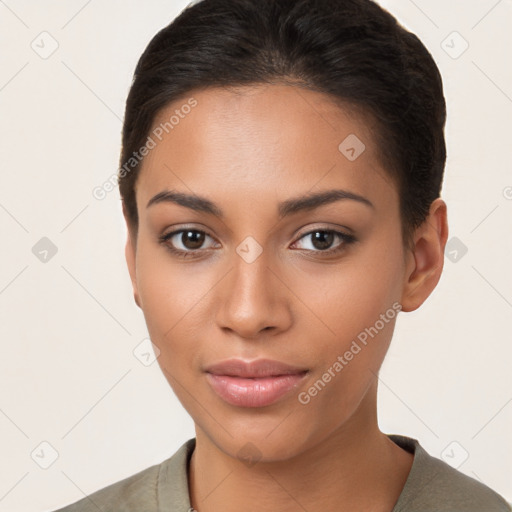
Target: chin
[261,441]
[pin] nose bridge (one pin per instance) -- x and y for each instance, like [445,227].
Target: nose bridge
[253,298]
[251,278]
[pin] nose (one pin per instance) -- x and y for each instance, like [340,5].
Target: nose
[253,299]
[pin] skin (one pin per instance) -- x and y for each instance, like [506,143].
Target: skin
[247,150]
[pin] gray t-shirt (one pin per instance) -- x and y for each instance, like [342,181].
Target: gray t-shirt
[432,486]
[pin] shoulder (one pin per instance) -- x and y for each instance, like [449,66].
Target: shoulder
[138,490]
[435,485]
[141,491]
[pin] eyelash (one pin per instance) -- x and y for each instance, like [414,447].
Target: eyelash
[345,238]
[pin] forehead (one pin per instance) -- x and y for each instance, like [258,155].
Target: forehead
[261,140]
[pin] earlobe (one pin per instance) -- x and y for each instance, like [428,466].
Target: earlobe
[426,260]
[130,255]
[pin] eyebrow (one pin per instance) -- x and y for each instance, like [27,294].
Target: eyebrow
[286,208]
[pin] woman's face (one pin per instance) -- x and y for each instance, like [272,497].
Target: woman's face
[260,273]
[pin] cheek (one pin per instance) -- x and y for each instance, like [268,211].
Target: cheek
[344,299]
[168,294]
[353,307]
[356,313]
[178,301]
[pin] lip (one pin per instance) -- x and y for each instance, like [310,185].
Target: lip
[253,384]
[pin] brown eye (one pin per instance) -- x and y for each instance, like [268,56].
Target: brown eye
[187,242]
[192,239]
[324,241]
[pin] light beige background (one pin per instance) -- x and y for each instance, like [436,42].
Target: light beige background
[69,326]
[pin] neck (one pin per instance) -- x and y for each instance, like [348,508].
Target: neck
[356,467]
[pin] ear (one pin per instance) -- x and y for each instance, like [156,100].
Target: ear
[426,259]
[130,255]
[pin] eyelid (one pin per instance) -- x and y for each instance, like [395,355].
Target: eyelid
[339,228]
[178,228]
